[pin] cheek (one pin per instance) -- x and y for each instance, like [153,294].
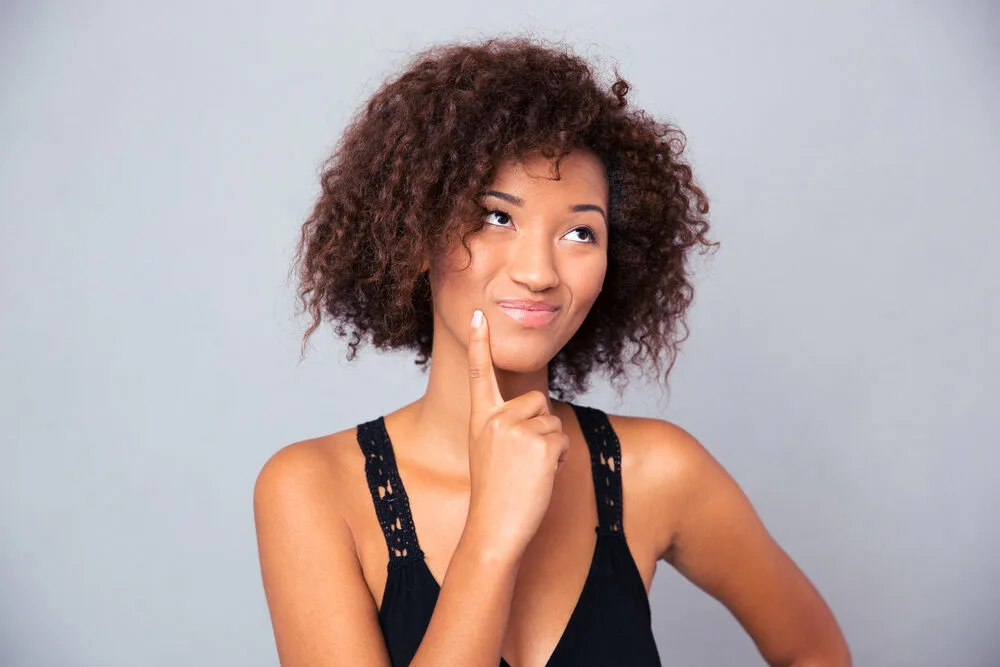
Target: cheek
[465,275]
[587,284]
[456,284]
[460,262]
[595,285]
[591,279]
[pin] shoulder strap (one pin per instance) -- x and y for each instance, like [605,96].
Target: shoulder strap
[605,464]
[391,503]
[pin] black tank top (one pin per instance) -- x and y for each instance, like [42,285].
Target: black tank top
[610,624]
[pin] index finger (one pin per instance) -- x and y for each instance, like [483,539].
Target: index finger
[484,393]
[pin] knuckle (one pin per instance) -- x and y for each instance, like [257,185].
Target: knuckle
[520,431]
[494,423]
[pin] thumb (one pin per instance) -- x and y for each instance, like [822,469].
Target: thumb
[484,393]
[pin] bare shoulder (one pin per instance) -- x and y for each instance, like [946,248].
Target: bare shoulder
[321,609]
[316,465]
[662,448]
[319,482]
[719,543]
[661,452]
[663,465]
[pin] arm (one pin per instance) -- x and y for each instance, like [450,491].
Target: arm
[321,609]
[721,546]
[472,610]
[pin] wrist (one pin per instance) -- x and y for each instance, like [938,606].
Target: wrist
[488,547]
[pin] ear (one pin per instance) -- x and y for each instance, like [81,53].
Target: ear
[427,263]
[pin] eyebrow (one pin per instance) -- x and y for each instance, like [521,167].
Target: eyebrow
[517,201]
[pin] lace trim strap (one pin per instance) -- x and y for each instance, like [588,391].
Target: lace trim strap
[605,464]
[391,503]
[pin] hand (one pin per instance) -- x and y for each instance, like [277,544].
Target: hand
[516,447]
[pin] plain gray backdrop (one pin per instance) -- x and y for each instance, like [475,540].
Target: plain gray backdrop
[158,158]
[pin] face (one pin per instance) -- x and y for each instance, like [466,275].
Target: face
[542,240]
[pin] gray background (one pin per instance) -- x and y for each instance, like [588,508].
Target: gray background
[157,161]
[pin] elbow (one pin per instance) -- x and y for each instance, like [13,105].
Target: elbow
[834,654]
[825,649]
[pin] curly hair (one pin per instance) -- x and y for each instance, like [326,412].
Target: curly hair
[401,185]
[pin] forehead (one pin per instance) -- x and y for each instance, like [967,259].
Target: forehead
[581,173]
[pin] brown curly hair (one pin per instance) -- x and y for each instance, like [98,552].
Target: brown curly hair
[402,183]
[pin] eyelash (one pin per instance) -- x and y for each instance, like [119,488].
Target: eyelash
[486,212]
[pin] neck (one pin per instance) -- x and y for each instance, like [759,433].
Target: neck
[440,418]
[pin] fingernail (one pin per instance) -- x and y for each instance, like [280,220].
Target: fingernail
[477,319]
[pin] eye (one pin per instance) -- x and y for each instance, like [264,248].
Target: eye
[588,231]
[503,217]
[496,212]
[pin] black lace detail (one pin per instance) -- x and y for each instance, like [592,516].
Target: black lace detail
[606,465]
[391,503]
[392,506]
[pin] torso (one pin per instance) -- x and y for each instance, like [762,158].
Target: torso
[556,562]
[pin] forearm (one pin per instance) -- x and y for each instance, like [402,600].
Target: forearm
[470,617]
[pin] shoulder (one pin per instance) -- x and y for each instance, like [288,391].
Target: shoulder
[656,444]
[310,478]
[668,472]
[719,543]
[304,463]
[320,603]
[661,451]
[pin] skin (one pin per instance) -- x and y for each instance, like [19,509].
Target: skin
[323,555]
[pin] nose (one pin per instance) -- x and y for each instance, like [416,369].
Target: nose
[532,261]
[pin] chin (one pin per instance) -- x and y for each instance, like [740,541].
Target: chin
[520,360]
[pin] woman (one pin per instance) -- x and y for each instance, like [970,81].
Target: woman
[502,180]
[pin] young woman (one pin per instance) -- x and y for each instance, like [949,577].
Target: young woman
[490,522]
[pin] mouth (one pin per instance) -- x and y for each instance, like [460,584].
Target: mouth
[531,317]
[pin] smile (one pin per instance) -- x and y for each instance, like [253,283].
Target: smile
[530,318]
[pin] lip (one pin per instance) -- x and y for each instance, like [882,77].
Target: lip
[530,317]
[528,304]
